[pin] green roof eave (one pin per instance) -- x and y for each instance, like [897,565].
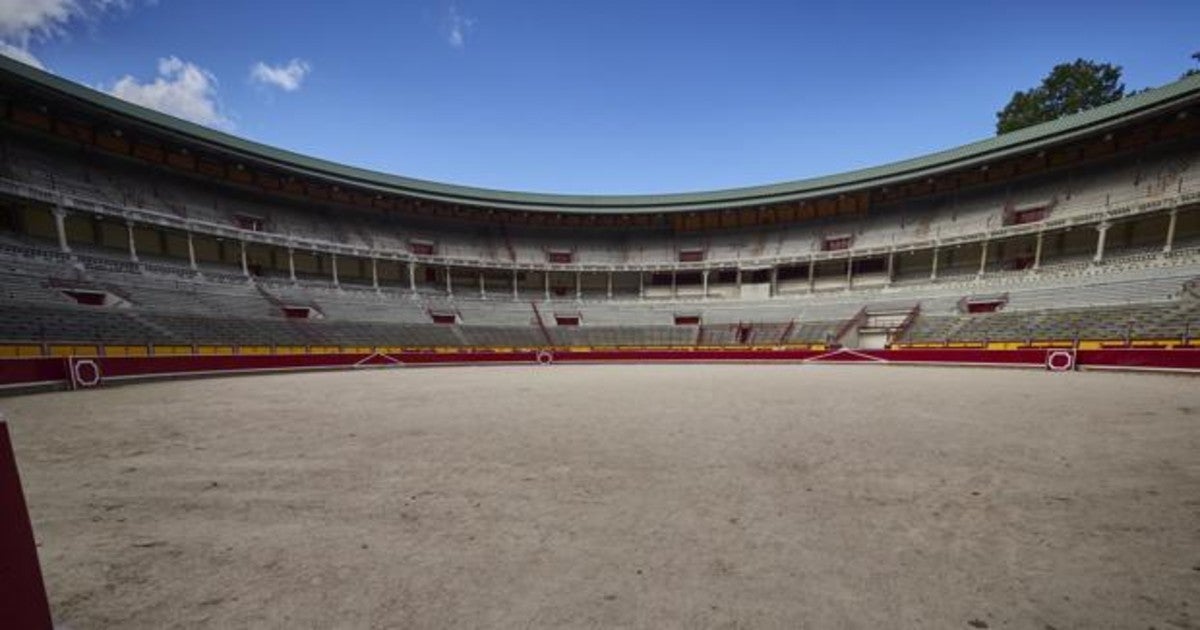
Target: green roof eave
[978,153]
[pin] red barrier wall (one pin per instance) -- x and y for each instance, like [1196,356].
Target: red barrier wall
[16,372]
[23,602]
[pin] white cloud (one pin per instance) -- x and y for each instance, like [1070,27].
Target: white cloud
[23,22]
[20,54]
[181,89]
[458,25]
[285,77]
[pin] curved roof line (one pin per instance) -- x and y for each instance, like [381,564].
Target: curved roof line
[976,153]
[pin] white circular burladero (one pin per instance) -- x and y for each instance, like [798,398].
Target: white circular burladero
[1060,360]
[544,357]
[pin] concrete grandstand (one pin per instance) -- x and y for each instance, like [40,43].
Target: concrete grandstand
[125,233]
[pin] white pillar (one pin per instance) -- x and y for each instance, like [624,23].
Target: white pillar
[774,281]
[482,286]
[578,285]
[60,226]
[246,266]
[1171,231]
[292,264]
[1101,236]
[812,275]
[1037,251]
[704,283]
[737,279]
[191,253]
[641,285]
[412,276]
[933,273]
[546,283]
[516,294]
[132,246]
[375,273]
[449,282]
[983,251]
[610,280]
[674,286]
[333,268]
[849,273]
[891,266]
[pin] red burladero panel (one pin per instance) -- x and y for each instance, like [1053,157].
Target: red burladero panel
[23,602]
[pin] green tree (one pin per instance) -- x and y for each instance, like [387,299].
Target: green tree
[1068,89]
[1191,71]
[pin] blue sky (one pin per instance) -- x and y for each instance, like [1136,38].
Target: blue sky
[619,96]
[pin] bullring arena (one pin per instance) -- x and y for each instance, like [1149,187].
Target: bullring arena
[956,391]
[723,496]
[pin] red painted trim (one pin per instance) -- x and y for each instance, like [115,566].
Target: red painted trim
[16,372]
[23,602]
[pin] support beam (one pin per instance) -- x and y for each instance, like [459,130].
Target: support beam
[1174,217]
[641,285]
[375,273]
[482,287]
[1101,237]
[674,285]
[849,273]
[546,283]
[983,252]
[515,291]
[191,253]
[578,286]
[246,265]
[933,272]
[333,268]
[774,281]
[292,264]
[891,266]
[704,284]
[812,275]
[610,284]
[412,277]
[1037,251]
[60,227]
[133,257]
[449,282]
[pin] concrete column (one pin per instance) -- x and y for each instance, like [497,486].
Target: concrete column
[516,294]
[132,246]
[704,282]
[375,273]
[546,283]
[774,281]
[60,227]
[849,273]
[482,287]
[578,285]
[1101,236]
[246,265]
[292,264]
[983,251]
[738,280]
[610,280]
[1171,231]
[812,275]
[641,285]
[191,253]
[674,287]
[412,276]
[933,273]
[891,266]
[1037,251]
[449,282]
[333,269]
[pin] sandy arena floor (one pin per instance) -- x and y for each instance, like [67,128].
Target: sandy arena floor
[721,496]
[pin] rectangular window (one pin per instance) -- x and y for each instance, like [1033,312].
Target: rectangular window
[566,320]
[835,243]
[247,222]
[444,318]
[421,248]
[687,320]
[691,255]
[560,257]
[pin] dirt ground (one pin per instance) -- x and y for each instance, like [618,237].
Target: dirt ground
[715,496]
